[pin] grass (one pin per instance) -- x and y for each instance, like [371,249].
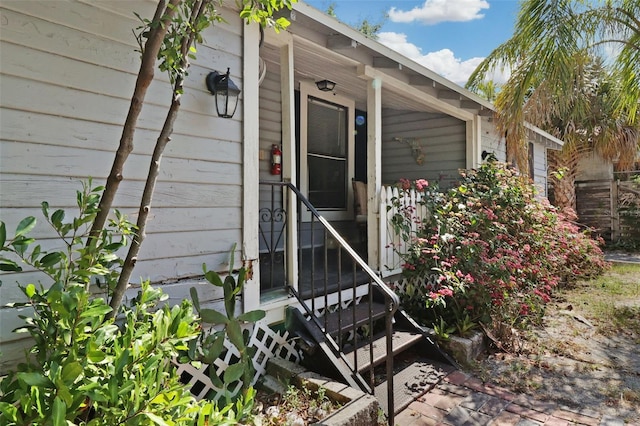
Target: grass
[612,301]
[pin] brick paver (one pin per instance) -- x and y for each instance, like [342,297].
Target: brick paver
[462,400]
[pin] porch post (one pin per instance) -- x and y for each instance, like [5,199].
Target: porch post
[474,142]
[289,156]
[250,146]
[374,169]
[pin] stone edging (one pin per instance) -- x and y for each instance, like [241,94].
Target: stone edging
[359,408]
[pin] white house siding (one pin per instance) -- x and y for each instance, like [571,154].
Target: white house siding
[492,142]
[540,168]
[270,120]
[67,71]
[270,134]
[443,141]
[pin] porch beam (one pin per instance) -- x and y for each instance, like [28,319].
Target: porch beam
[474,142]
[448,95]
[250,177]
[339,41]
[413,93]
[374,169]
[384,62]
[287,93]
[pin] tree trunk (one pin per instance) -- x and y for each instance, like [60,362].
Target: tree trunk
[163,17]
[154,167]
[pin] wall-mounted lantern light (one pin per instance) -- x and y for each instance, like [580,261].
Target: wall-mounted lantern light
[325,85]
[225,91]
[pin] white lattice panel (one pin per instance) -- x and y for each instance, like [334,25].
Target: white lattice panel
[268,344]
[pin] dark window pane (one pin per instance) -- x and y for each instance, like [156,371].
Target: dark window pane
[327,131]
[327,182]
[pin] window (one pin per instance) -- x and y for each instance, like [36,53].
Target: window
[327,155]
[327,129]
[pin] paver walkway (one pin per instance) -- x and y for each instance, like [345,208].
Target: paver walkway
[462,400]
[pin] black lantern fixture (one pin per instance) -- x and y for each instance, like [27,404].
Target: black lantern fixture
[225,91]
[325,85]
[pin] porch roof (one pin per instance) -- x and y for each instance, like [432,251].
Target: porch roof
[326,48]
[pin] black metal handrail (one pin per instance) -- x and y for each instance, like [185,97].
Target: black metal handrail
[346,281]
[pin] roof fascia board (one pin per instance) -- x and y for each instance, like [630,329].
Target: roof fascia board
[549,140]
[368,72]
[381,50]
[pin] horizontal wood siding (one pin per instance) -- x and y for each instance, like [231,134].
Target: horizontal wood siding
[492,142]
[442,139]
[67,76]
[270,134]
[540,168]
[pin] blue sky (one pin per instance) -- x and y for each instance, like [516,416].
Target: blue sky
[448,36]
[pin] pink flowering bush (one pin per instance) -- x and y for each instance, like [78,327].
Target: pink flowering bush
[489,250]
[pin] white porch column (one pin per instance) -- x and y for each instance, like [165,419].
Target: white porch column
[474,142]
[251,151]
[289,155]
[374,168]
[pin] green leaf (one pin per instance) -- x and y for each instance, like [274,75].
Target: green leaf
[57,217]
[96,356]
[213,277]
[25,225]
[71,372]
[45,209]
[59,412]
[96,311]
[235,335]
[212,316]
[35,379]
[156,419]
[30,290]
[195,298]
[252,316]
[50,259]
[9,411]
[215,350]
[7,265]
[3,233]
[233,373]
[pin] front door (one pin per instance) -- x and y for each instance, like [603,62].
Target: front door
[327,132]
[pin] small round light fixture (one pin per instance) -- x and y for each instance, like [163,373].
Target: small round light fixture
[225,91]
[325,85]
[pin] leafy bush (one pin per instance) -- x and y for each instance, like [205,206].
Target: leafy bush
[488,249]
[210,346]
[85,367]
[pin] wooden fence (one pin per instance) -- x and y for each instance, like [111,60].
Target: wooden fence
[610,207]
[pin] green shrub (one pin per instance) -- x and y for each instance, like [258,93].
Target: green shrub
[489,249]
[84,366]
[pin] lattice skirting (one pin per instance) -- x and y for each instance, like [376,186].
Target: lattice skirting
[268,344]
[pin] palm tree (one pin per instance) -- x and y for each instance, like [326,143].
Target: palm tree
[558,84]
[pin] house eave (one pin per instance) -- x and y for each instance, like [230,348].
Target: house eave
[540,136]
[341,38]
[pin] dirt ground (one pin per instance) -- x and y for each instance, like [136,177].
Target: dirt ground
[577,359]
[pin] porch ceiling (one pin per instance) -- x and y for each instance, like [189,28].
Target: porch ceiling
[314,64]
[325,48]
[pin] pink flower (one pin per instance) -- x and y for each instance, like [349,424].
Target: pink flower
[445,292]
[434,296]
[421,184]
[405,184]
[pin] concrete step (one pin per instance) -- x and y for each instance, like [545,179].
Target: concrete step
[400,340]
[413,378]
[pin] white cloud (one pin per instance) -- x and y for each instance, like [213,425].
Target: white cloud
[442,62]
[435,11]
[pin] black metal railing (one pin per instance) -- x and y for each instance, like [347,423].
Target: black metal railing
[336,288]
